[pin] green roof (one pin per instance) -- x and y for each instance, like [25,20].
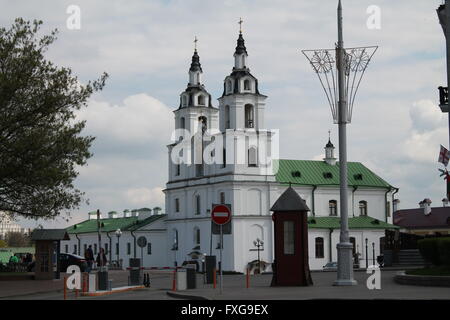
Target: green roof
[361,222]
[112,224]
[309,172]
[144,222]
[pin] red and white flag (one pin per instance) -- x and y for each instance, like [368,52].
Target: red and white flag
[443,156]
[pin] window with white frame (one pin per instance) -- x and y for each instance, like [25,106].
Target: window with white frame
[333,207]
[363,208]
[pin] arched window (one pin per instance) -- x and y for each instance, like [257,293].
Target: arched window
[319,247]
[363,208]
[247,85]
[182,123]
[229,86]
[197,205]
[252,157]
[201,100]
[177,169]
[333,207]
[224,160]
[227,117]
[177,205]
[203,122]
[249,116]
[184,101]
[197,235]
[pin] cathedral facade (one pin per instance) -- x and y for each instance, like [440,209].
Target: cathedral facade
[226,155]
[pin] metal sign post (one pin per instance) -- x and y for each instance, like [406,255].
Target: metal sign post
[220,215]
[221,247]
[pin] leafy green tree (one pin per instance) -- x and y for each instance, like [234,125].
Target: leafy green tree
[41,144]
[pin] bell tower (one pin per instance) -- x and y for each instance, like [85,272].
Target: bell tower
[194,116]
[241,105]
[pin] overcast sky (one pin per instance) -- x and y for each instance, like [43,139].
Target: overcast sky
[146,47]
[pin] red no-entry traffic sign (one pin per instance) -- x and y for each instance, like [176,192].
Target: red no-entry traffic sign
[221,214]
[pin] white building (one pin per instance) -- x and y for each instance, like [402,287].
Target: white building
[205,173]
[129,225]
[7,225]
[239,177]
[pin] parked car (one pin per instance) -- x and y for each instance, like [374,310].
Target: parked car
[330,266]
[65,260]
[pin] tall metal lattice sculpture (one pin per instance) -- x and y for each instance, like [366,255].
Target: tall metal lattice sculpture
[340,72]
[323,62]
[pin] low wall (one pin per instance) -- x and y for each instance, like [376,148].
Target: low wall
[428,281]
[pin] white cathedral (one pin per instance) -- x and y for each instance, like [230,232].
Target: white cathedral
[239,176]
[225,155]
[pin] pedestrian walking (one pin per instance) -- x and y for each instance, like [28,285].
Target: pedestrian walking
[101,258]
[89,256]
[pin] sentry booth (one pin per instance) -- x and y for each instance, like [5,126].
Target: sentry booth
[291,265]
[47,252]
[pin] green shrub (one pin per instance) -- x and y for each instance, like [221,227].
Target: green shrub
[444,251]
[429,250]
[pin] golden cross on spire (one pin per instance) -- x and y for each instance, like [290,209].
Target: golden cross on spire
[240,25]
[195,43]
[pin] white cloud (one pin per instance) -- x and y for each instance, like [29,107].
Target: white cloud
[144,196]
[425,115]
[146,47]
[141,119]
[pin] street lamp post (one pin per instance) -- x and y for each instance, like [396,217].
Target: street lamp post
[118,234]
[373,253]
[175,249]
[340,76]
[444,19]
[367,254]
[258,243]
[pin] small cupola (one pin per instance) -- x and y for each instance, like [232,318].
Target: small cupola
[240,55]
[329,153]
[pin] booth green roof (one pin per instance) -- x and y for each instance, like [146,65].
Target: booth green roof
[112,224]
[309,172]
[361,222]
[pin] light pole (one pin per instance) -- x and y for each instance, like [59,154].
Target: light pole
[373,253]
[258,243]
[443,13]
[174,249]
[367,254]
[118,234]
[340,77]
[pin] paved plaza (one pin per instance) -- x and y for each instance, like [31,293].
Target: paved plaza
[234,289]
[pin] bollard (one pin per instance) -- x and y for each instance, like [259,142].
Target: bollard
[214,278]
[174,284]
[65,288]
[84,289]
[248,278]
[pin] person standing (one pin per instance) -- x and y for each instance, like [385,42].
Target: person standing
[89,256]
[101,258]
